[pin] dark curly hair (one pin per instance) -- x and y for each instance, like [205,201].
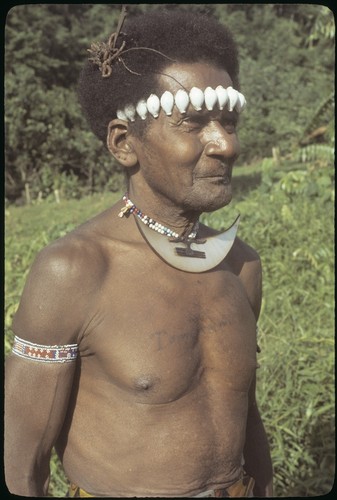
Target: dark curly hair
[179,36]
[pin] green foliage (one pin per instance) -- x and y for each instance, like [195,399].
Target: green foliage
[283,79]
[297,331]
[324,26]
[318,153]
[287,70]
[320,123]
[47,139]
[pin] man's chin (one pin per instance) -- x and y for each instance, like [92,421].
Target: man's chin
[208,199]
[219,200]
[214,204]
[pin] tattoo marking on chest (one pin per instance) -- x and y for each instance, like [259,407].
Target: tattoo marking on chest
[165,339]
[188,252]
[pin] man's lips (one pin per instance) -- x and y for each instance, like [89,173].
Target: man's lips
[224,178]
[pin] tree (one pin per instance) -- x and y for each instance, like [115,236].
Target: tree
[47,139]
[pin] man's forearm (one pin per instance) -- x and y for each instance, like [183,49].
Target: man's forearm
[20,481]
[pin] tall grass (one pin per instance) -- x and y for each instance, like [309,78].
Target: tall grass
[288,219]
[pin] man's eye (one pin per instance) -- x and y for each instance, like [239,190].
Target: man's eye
[230,127]
[193,123]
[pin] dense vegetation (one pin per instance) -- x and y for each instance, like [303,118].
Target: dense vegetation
[287,72]
[285,194]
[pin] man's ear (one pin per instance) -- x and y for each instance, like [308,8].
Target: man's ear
[120,144]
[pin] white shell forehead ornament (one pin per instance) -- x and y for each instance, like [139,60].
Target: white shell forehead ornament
[219,98]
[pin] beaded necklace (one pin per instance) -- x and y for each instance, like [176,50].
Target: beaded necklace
[130,208]
[187,253]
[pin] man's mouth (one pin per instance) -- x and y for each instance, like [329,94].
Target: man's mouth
[220,178]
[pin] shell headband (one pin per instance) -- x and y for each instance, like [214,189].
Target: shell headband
[221,97]
[105,54]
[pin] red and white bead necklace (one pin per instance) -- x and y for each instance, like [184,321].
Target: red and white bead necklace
[130,208]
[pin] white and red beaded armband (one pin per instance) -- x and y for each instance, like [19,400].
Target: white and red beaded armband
[45,353]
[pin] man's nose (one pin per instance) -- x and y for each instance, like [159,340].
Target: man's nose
[220,142]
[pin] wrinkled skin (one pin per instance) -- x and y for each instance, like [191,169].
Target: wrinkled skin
[161,401]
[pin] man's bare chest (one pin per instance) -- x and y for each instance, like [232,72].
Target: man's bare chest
[159,337]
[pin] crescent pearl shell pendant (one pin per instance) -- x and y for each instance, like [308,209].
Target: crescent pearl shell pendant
[214,248]
[188,253]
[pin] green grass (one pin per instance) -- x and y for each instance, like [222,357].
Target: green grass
[288,218]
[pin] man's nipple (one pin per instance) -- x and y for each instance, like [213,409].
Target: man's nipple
[145,383]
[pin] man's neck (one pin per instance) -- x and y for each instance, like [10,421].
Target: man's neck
[162,210]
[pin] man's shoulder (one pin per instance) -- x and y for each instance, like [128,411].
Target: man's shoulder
[245,252]
[70,255]
[245,260]
[89,248]
[60,288]
[246,264]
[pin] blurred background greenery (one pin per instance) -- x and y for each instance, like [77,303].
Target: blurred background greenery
[287,76]
[58,175]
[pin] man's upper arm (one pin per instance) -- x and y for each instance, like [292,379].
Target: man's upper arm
[55,297]
[251,277]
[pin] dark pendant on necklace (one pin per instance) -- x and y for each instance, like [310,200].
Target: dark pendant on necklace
[188,252]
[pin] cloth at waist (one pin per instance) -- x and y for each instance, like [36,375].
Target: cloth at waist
[241,488]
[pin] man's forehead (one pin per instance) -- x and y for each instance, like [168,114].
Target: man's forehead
[188,75]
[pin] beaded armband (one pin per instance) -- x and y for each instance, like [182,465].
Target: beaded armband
[45,353]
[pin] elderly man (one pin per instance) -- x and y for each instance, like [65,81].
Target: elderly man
[135,339]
